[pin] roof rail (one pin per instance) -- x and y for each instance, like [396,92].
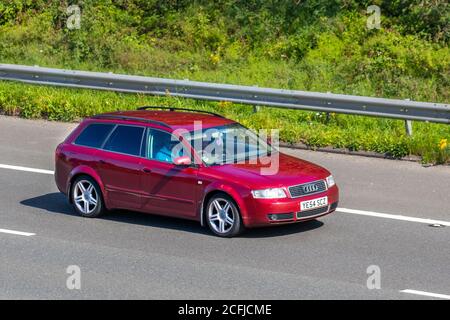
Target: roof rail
[180,109]
[122,117]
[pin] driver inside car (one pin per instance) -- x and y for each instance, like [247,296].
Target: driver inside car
[166,146]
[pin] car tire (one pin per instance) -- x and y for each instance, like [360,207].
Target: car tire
[86,197]
[223,216]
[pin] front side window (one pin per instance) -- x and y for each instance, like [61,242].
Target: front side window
[94,135]
[228,144]
[126,139]
[163,146]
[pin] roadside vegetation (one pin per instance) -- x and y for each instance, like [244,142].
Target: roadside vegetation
[316,45]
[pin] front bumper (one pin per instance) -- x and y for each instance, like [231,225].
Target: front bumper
[261,212]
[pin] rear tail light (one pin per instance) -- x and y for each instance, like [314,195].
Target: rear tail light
[58,151]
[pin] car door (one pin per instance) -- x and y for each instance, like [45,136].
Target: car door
[168,189]
[119,166]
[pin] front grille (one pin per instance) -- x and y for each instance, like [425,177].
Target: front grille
[312,212]
[307,188]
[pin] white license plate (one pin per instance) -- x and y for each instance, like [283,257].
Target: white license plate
[314,203]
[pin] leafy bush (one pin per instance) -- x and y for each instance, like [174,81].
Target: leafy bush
[316,45]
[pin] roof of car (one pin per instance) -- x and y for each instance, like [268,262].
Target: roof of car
[172,119]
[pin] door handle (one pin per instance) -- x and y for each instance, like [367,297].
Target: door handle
[147,170]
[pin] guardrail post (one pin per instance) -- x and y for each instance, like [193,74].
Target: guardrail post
[408,128]
[408,125]
[255,107]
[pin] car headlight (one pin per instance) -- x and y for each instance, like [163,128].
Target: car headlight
[330,181]
[272,193]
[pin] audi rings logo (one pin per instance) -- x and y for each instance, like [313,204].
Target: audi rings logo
[310,188]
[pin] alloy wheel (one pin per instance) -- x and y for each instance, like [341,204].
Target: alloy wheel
[221,215]
[85,196]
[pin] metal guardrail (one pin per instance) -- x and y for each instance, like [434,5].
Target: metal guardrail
[290,99]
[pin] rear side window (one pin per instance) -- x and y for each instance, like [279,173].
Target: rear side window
[94,135]
[126,139]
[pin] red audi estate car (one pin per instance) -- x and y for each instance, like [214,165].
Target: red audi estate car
[157,160]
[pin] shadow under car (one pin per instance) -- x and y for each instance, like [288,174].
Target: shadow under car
[57,203]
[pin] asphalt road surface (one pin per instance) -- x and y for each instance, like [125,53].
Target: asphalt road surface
[383,221]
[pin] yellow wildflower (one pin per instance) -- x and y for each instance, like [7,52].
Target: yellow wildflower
[443,144]
[215,58]
[225,104]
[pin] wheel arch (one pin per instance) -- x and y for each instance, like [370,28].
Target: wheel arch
[229,191]
[84,171]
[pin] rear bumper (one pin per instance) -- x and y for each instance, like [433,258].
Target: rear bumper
[266,212]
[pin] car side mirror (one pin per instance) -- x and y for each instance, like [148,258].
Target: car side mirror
[182,161]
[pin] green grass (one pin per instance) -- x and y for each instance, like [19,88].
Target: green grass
[315,45]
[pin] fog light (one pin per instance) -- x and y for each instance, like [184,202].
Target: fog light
[281,216]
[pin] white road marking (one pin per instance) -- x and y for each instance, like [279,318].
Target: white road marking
[19,233]
[427,294]
[18,168]
[393,216]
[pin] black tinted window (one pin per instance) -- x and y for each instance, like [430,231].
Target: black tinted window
[94,135]
[125,139]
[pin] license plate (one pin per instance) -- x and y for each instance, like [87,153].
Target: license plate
[314,203]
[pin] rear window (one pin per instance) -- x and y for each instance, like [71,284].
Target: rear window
[126,139]
[94,135]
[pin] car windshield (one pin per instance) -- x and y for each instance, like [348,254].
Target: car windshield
[228,144]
